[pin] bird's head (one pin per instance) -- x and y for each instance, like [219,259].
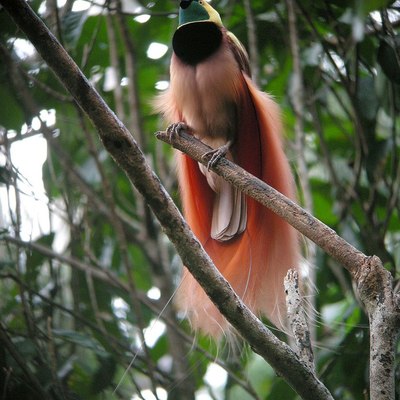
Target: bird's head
[199,33]
[196,11]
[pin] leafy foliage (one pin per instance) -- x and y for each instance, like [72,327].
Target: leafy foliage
[86,273]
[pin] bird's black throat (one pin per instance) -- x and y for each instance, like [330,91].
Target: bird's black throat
[196,41]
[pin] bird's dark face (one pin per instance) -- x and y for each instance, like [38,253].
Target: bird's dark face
[199,32]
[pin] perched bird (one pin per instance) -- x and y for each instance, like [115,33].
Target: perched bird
[212,95]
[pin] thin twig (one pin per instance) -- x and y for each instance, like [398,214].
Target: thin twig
[297,94]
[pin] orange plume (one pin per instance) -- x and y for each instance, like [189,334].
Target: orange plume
[252,247]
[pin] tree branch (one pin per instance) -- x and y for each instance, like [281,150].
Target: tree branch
[303,221]
[373,281]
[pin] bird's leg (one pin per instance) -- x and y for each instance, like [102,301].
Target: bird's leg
[217,154]
[176,128]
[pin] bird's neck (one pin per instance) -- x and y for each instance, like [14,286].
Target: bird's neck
[195,42]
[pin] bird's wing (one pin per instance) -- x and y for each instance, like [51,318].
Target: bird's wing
[240,53]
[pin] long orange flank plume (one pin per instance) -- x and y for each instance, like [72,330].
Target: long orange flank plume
[212,93]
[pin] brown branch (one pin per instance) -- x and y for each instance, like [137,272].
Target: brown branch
[373,281]
[121,145]
[303,221]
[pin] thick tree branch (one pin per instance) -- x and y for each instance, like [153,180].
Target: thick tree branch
[121,145]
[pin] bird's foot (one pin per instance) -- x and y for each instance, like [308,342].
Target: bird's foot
[216,154]
[175,130]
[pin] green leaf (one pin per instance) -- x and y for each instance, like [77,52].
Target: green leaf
[377,155]
[11,114]
[368,6]
[260,375]
[238,393]
[72,24]
[35,259]
[366,98]
[281,390]
[104,375]
[388,58]
[81,340]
